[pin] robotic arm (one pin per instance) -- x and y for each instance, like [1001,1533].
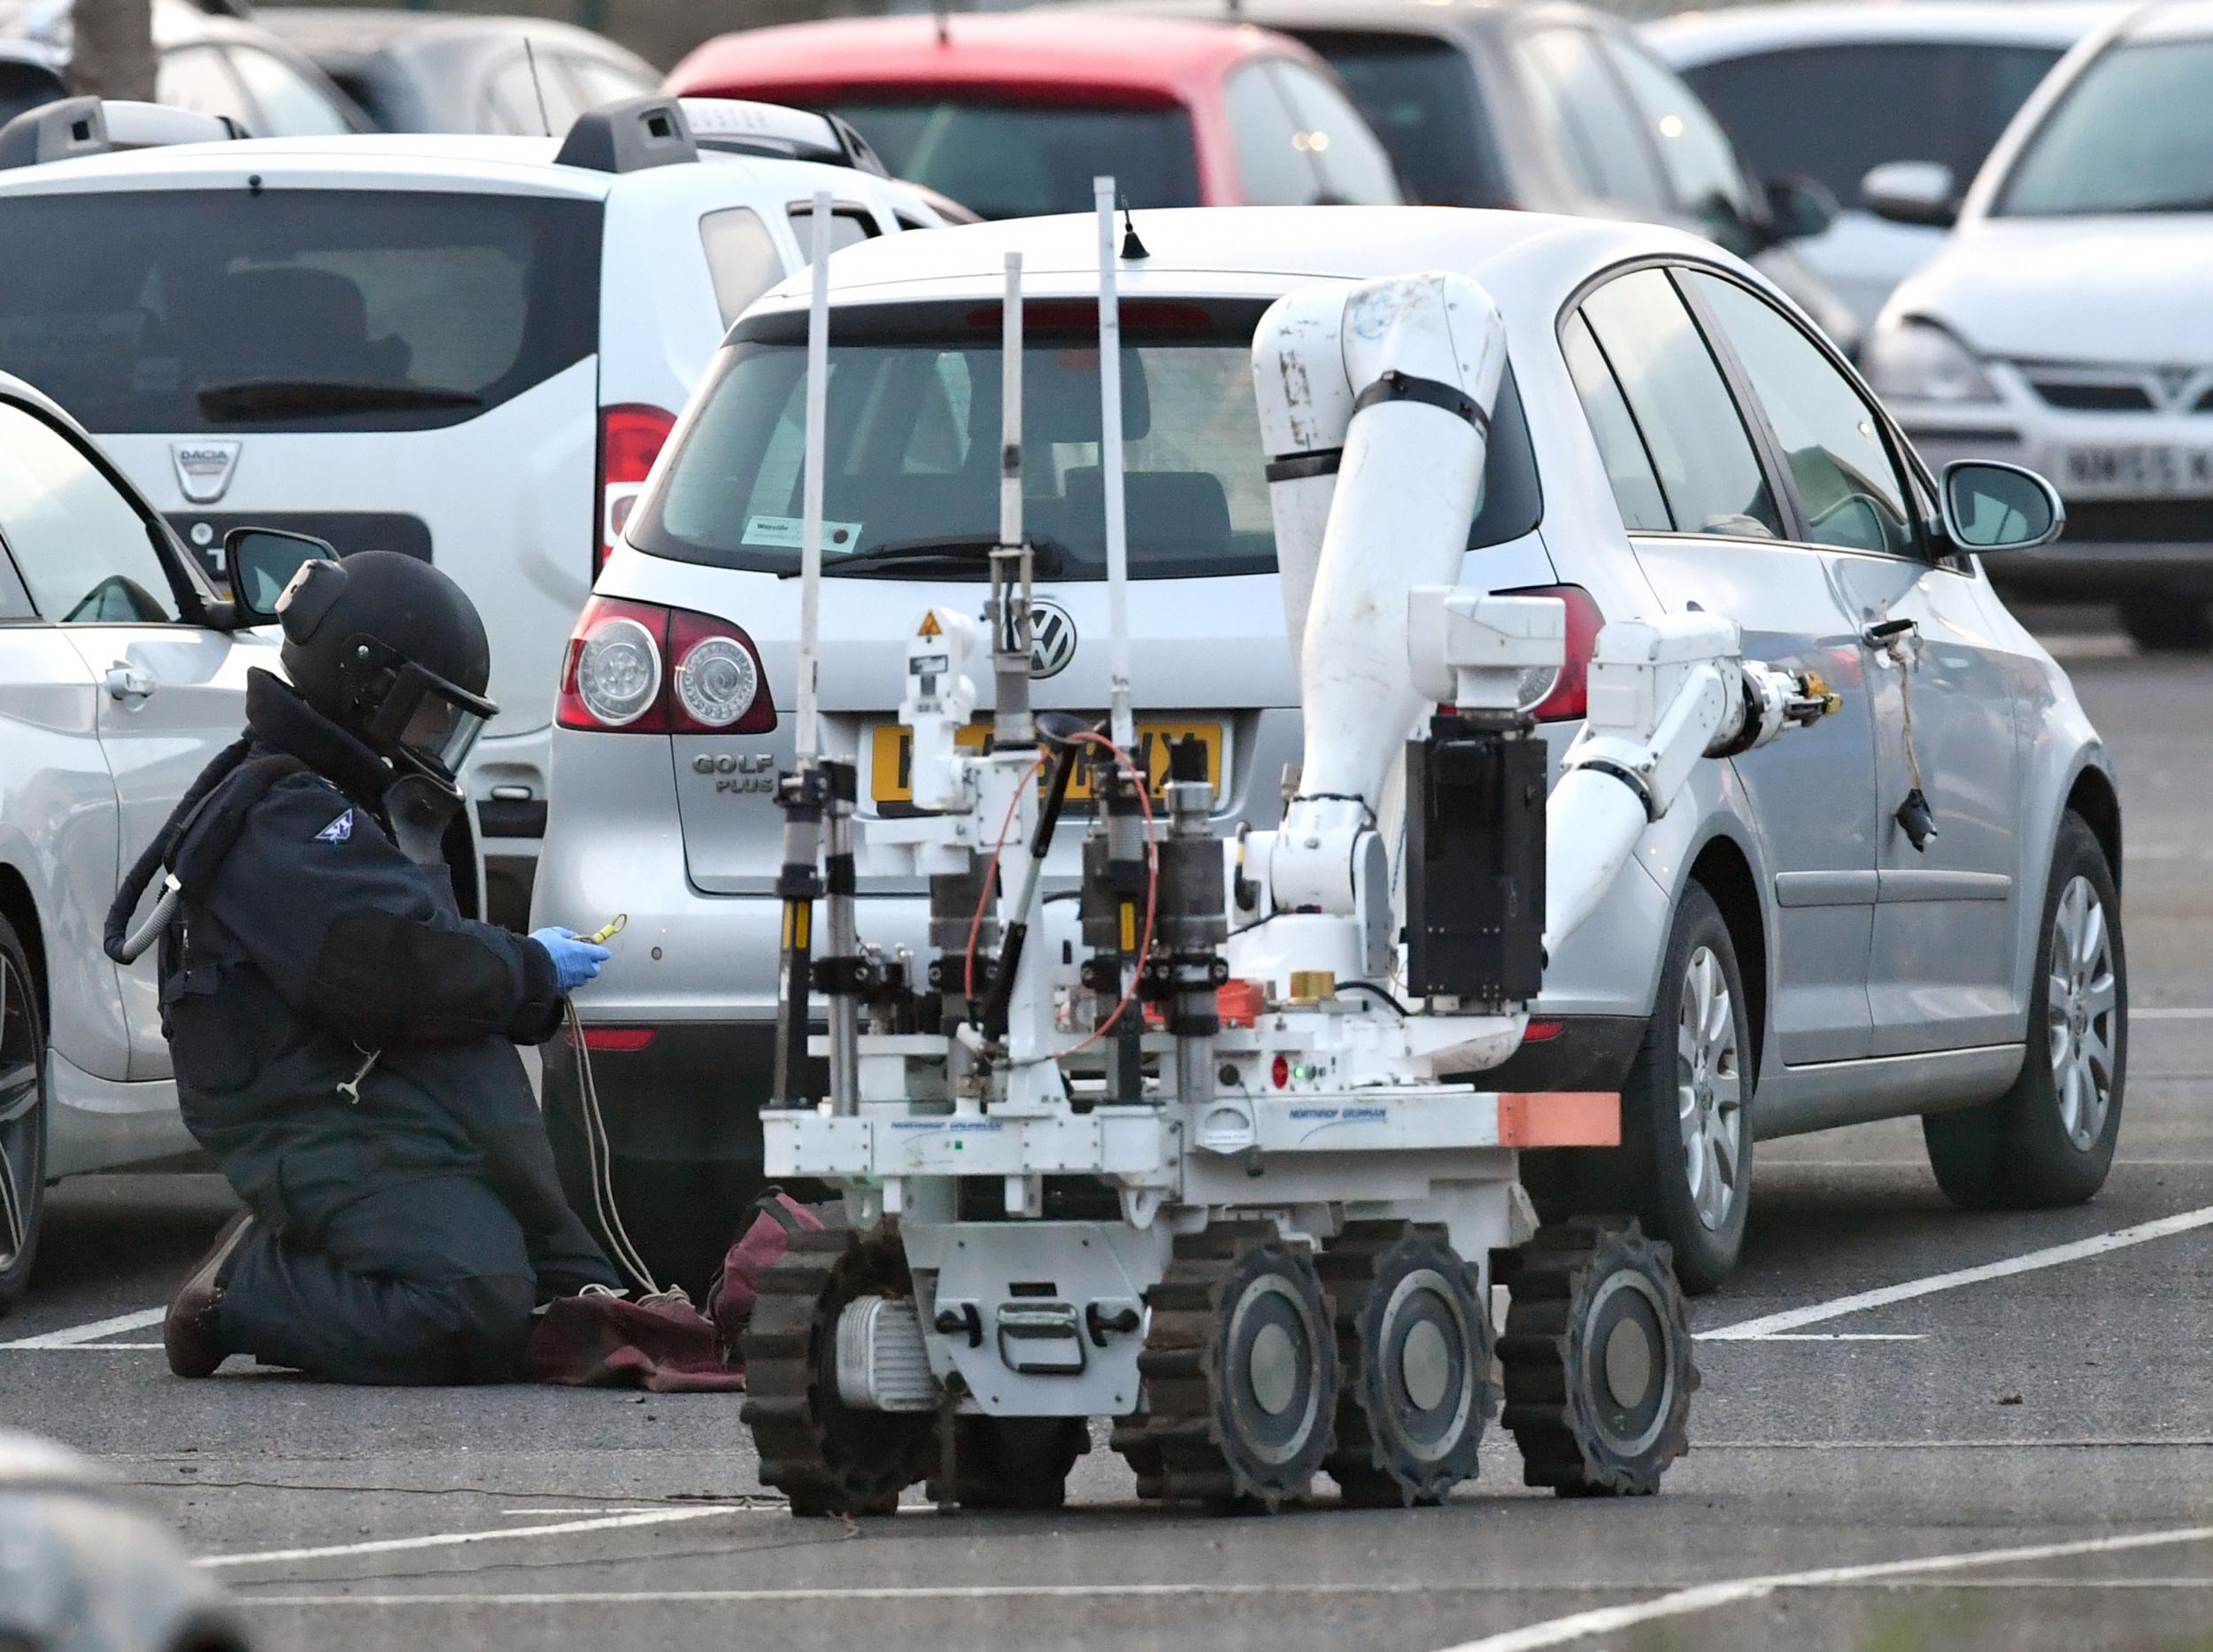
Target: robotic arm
[1376,407]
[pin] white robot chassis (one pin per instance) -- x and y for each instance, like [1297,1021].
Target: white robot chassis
[1208,1152]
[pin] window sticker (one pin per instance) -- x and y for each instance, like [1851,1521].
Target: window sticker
[782,533]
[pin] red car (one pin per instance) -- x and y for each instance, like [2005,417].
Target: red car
[1014,114]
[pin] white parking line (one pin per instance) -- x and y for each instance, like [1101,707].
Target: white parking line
[78,1336]
[2121,1238]
[447,1539]
[1706,1596]
[1821,1336]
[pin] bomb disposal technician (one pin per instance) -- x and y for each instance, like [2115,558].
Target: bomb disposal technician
[342,1038]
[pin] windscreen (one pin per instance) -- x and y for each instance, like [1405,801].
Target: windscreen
[2133,134]
[1013,161]
[1831,112]
[1420,96]
[286,309]
[912,488]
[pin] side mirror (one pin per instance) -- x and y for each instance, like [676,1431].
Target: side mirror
[1912,192]
[1800,208]
[262,561]
[1990,506]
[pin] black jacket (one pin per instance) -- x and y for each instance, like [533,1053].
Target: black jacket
[311,942]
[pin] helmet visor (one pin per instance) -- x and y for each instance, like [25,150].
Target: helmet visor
[430,723]
[441,731]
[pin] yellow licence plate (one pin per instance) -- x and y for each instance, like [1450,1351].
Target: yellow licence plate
[891,755]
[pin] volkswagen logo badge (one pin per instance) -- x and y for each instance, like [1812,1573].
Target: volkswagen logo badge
[1053,639]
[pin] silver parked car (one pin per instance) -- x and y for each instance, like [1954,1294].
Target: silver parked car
[414,72]
[122,672]
[1793,950]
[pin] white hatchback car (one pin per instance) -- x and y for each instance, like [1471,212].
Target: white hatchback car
[2065,324]
[1833,90]
[464,348]
[122,672]
[1790,953]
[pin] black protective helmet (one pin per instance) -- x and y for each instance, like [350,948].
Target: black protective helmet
[393,651]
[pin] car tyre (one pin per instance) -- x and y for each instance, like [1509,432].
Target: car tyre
[22,1118]
[1685,1165]
[2049,1139]
[2167,621]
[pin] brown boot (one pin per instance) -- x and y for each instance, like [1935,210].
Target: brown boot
[188,1334]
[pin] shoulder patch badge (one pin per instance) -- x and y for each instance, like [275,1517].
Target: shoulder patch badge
[338,831]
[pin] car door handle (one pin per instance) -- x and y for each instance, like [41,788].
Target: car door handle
[1878,635]
[126,682]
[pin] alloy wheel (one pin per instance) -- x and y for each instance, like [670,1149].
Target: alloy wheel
[20,1121]
[2080,1003]
[1710,1090]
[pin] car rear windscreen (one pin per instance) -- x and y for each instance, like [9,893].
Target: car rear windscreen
[1831,112]
[1419,94]
[913,483]
[1011,160]
[291,309]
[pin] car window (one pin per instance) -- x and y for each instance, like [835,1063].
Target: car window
[1354,169]
[83,549]
[914,413]
[1695,153]
[529,99]
[26,86]
[1627,466]
[1418,94]
[290,103]
[1847,484]
[227,310]
[1708,471]
[15,602]
[605,82]
[850,225]
[742,257]
[200,78]
[2133,134]
[1008,159]
[1597,132]
[1272,165]
[1832,112]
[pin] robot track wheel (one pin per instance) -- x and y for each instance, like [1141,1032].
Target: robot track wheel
[1013,1461]
[825,1456]
[1240,1372]
[1414,1344]
[1597,1358]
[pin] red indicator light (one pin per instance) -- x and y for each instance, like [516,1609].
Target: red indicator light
[1281,1071]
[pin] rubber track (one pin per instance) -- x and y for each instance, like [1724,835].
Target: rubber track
[1560,1447]
[1177,1431]
[863,1466]
[1348,1269]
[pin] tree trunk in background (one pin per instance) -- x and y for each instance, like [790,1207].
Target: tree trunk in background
[113,55]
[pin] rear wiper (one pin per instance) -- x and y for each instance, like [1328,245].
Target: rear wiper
[1047,554]
[304,399]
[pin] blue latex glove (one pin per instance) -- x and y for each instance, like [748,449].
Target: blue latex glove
[575,960]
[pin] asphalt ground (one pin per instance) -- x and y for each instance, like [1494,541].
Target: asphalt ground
[2022,1457]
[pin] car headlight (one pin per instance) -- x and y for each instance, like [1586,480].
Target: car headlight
[1919,361]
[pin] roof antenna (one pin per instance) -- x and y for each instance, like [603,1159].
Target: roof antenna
[1131,247]
[531,57]
[941,12]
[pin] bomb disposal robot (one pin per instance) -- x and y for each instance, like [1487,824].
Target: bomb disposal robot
[1209,1153]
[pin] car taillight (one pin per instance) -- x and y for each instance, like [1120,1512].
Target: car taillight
[636,668]
[630,439]
[1558,697]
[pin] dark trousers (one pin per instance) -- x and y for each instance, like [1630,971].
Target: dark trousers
[429,1280]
